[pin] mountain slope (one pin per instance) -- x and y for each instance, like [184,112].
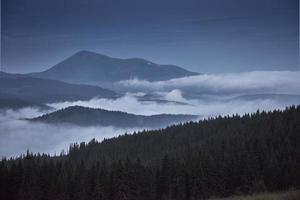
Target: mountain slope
[45,91]
[84,116]
[201,160]
[12,103]
[89,67]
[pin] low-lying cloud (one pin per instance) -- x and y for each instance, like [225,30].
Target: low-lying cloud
[203,95]
[205,108]
[285,82]
[16,136]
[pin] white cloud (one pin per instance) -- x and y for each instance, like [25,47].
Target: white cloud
[16,136]
[206,108]
[246,82]
[175,95]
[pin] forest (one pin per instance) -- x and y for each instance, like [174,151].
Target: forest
[215,157]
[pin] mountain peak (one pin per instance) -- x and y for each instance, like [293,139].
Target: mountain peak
[90,67]
[86,53]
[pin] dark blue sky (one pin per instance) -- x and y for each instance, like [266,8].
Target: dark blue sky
[200,35]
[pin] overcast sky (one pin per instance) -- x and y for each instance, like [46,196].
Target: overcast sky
[201,35]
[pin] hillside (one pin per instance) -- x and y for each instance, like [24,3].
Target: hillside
[45,91]
[90,67]
[7,103]
[218,157]
[83,116]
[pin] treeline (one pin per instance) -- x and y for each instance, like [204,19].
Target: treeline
[215,157]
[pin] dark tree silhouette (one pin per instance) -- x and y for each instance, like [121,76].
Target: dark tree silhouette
[215,157]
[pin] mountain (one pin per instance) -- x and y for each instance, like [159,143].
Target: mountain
[84,116]
[38,90]
[88,67]
[12,103]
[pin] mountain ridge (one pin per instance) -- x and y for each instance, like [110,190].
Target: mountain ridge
[88,67]
[37,90]
[15,103]
[85,116]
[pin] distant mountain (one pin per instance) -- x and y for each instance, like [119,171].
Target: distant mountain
[88,67]
[84,116]
[11,103]
[38,90]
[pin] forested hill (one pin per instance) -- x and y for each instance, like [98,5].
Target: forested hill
[237,137]
[84,116]
[216,157]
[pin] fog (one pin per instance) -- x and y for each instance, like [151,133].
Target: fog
[285,82]
[19,135]
[130,103]
[205,95]
[216,95]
